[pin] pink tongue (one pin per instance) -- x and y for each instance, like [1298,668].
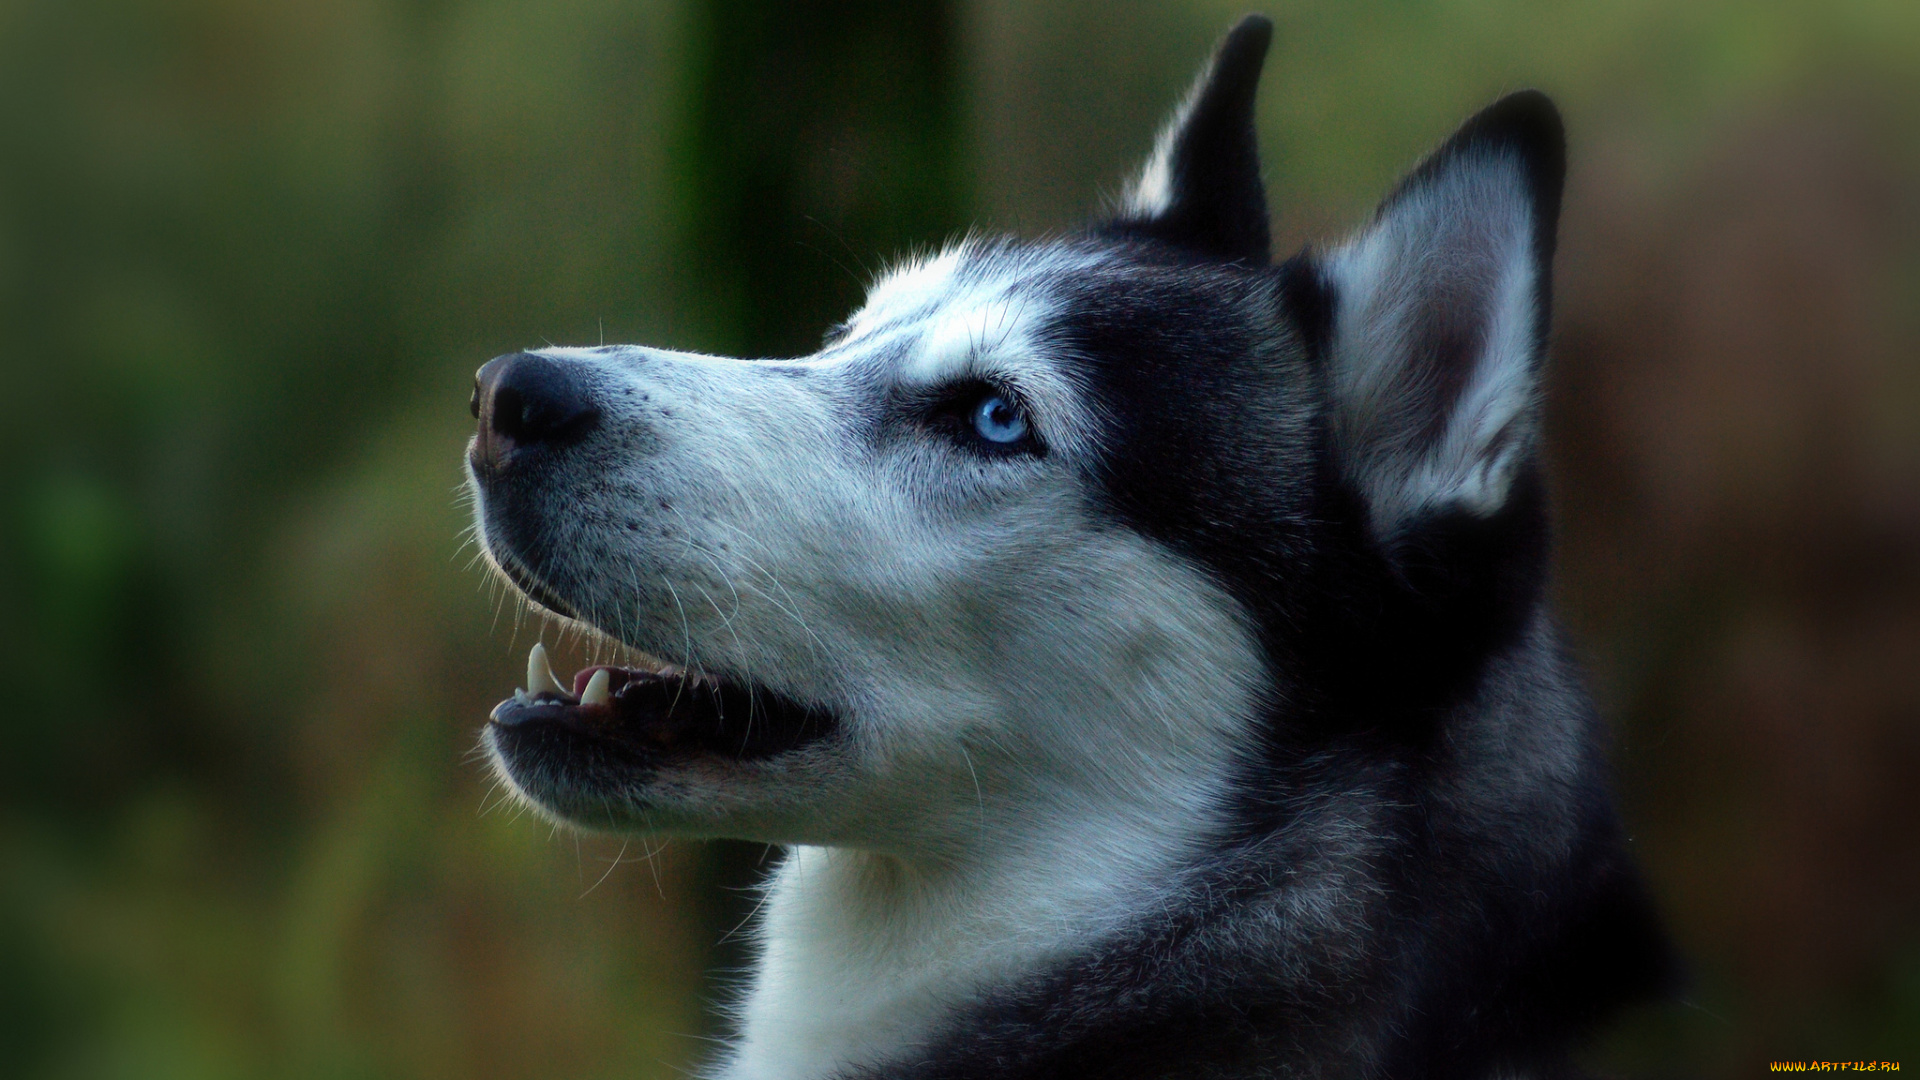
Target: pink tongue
[616,678]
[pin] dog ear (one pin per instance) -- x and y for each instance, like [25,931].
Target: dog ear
[1439,322]
[1201,188]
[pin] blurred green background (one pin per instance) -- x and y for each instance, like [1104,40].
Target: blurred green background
[252,250]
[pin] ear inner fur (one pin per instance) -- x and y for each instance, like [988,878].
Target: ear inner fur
[1440,317]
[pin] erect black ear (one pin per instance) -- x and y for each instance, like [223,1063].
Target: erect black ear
[1201,188]
[1440,313]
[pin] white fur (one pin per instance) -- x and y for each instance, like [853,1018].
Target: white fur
[907,290]
[864,949]
[1151,193]
[1458,241]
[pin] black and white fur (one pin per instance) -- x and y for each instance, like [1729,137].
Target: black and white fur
[1214,727]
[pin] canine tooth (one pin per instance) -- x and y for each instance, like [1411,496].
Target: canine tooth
[540,679]
[596,692]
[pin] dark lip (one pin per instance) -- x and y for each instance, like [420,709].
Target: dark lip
[651,718]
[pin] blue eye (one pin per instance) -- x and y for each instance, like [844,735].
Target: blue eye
[999,421]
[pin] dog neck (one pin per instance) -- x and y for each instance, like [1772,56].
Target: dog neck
[864,954]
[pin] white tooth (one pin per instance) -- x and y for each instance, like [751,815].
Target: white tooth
[540,678]
[596,691]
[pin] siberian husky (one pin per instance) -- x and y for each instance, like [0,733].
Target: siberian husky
[1140,649]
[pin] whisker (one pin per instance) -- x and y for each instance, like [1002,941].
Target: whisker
[609,870]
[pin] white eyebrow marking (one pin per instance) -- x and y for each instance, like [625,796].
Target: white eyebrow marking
[998,330]
[913,286]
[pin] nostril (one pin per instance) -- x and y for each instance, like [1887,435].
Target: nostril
[542,412]
[525,399]
[511,414]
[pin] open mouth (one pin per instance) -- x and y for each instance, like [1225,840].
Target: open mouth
[649,714]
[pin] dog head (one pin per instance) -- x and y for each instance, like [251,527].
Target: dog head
[1042,525]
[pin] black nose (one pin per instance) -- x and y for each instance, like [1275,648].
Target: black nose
[523,400]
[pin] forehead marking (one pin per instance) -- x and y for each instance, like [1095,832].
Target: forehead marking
[972,306]
[990,329]
[908,290]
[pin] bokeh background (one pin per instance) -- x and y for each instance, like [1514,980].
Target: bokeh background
[252,250]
